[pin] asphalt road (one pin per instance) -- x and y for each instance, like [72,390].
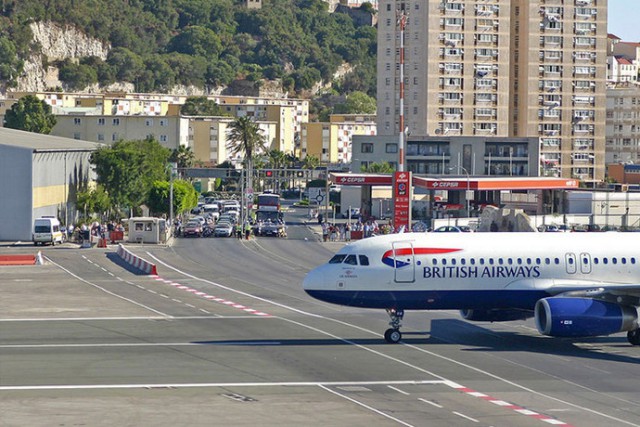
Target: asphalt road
[226,336]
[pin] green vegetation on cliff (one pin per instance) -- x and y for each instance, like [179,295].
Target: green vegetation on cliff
[160,43]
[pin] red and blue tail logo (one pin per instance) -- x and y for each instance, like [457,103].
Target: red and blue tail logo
[396,258]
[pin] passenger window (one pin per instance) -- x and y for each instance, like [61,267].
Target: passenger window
[529,261]
[500,261]
[337,259]
[444,261]
[453,261]
[538,261]
[633,260]
[491,261]
[519,261]
[472,261]
[547,261]
[623,260]
[614,260]
[605,261]
[463,261]
[509,261]
[595,261]
[481,261]
[556,261]
[351,260]
[364,260]
[435,261]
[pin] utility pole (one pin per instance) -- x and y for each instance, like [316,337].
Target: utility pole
[401,21]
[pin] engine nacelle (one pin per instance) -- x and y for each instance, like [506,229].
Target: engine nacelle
[494,315]
[583,317]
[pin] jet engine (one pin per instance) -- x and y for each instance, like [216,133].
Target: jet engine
[494,315]
[583,317]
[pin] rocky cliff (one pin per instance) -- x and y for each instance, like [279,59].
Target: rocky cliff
[56,43]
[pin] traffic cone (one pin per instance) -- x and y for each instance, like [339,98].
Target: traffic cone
[102,243]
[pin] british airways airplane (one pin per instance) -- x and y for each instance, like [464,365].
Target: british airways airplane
[574,284]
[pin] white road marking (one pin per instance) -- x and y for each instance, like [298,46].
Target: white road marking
[398,390]
[464,416]
[430,402]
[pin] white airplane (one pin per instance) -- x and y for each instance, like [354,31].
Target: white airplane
[574,284]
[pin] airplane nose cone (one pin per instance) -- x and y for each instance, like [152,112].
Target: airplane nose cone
[314,280]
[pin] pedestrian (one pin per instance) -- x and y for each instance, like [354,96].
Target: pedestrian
[247,230]
[325,231]
[347,232]
[239,231]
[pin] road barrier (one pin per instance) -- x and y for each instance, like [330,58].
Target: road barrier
[136,261]
[17,259]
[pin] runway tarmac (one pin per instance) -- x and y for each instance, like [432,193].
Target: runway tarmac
[226,336]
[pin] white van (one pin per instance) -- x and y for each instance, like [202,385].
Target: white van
[211,210]
[46,229]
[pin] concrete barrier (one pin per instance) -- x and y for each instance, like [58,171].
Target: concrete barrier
[17,259]
[136,261]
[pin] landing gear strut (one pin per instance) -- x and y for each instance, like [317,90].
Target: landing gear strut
[393,334]
[633,337]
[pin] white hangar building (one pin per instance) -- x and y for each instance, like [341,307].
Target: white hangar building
[40,175]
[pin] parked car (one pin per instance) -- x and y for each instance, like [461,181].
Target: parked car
[193,228]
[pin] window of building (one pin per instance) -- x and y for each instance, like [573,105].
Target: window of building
[391,148]
[367,147]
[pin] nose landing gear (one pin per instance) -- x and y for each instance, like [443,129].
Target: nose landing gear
[393,334]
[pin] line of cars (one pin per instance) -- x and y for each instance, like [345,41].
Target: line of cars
[217,219]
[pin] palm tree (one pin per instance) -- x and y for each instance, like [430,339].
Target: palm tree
[245,137]
[184,157]
[310,162]
[383,167]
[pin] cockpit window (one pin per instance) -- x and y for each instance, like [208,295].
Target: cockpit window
[337,259]
[351,260]
[364,260]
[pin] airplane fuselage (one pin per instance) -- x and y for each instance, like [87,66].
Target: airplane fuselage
[473,270]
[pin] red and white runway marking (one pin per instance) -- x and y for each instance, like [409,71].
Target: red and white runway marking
[210,297]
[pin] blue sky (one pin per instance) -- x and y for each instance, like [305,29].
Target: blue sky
[624,19]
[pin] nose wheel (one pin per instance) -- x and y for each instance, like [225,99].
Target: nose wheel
[393,334]
[634,337]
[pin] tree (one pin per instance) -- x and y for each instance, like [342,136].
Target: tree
[128,169]
[185,197]
[184,157]
[93,201]
[310,162]
[201,106]
[382,167]
[245,138]
[357,103]
[30,114]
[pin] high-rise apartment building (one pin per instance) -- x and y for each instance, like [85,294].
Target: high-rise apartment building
[504,68]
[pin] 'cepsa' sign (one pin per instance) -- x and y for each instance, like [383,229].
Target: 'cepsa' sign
[444,184]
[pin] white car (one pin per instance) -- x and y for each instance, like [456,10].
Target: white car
[223,229]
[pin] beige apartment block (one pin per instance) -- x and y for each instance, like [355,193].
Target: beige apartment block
[623,124]
[170,132]
[331,142]
[320,139]
[502,68]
